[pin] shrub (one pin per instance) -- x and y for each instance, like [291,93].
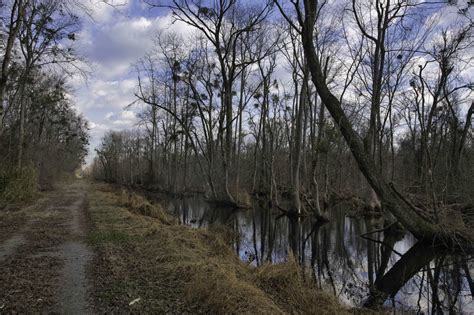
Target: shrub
[18,184]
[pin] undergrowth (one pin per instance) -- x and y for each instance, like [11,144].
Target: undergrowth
[18,184]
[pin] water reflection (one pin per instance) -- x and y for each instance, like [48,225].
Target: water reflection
[346,256]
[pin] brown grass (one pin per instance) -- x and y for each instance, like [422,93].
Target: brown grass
[456,225]
[177,269]
[284,283]
[140,205]
[242,197]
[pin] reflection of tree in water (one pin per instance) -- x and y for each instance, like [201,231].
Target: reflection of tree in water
[425,274]
[359,260]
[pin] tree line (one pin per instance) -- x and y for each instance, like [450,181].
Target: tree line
[307,103]
[41,134]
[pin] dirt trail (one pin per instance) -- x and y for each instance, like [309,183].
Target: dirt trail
[45,261]
[11,244]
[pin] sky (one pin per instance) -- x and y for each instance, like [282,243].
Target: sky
[112,39]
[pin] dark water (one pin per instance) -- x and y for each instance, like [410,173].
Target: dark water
[340,259]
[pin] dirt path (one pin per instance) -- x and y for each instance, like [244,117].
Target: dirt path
[44,261]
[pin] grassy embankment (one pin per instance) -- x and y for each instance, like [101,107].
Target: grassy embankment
[149,263]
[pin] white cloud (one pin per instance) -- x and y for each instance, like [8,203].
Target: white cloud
[129,115]
[141,24]
[105,94]
[112,40]
[102,12]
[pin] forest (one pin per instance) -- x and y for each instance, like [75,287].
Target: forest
[335,135]
[41,135]
[243,108]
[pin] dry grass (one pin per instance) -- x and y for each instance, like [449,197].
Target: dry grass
[456,225]
[283,283]
[140,205]
[176,269]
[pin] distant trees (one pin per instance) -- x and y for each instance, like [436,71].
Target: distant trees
[119,157]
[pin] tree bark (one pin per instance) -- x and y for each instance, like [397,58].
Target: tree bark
[295,207]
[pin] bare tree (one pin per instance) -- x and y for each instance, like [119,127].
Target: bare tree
[15,22]
[306,16]
[223,25]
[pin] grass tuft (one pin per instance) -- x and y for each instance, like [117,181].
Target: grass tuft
[285,283]
[140,205]
[111,236]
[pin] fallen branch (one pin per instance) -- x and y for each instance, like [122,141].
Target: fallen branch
[379,230]
[383,243]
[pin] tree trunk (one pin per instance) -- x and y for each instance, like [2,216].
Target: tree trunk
[21,131]
[228,138]
[295,207]
[16,17]
[404,269]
